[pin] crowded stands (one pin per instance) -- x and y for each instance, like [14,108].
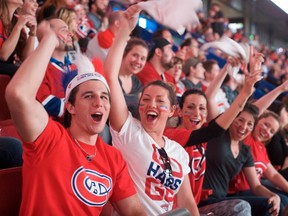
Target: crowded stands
[139,108]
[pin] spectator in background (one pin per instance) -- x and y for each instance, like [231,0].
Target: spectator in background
[12,35]
[176,72]
[228,33]
[49,8]
[134,59]
[70,18]
[10,152]
[216,19]
[208,34]
[85,4]
[211,70]
[159,61]
[265,67]
[85,28]
[97,13]
[231,86]
[165,33]
[255,41]
[99,45]
[29,7]
[194,73]
[238,35]
[51,91]
[191,46]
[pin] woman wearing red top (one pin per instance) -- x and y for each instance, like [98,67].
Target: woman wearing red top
[10,35]
[267,125]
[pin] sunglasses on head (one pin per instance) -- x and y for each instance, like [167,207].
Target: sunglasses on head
[166,161]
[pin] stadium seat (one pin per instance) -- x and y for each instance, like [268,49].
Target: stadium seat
[8,129]
[11,191]
[4,111]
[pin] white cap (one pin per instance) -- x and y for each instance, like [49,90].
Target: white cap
[77,80]
[86,72]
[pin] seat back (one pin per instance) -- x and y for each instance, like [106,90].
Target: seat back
[4,111]
[10,191]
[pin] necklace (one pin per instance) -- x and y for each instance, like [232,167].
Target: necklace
[235,150]
[89,157]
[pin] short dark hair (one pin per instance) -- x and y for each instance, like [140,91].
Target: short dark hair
[208,64]
[71,99]
[177,60]
[187,42]
[160,43]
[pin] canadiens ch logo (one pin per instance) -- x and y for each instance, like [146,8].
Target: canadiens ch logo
[91,187]
[198,163]
[260,168]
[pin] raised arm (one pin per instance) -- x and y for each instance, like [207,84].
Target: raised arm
[224,121]
[27,113]
[231,113]
[10,43]
[119,110]
[212,91]
[30,43]
[265,101]
[251,78]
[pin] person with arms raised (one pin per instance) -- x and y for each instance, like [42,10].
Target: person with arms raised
[71,167]
[157,165]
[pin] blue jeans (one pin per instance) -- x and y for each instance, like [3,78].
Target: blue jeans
[283,196]
[249,193]
[259,205]
[10,152]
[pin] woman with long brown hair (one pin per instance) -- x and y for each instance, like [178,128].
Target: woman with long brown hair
[10,34]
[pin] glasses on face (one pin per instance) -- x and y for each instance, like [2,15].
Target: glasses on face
[166,161]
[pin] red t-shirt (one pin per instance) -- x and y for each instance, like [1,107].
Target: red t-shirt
[58,180]
[105,39]
[3,35]
[196,162]
[149,74]
[261,160]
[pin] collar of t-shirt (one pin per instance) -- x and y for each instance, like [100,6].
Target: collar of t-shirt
[64,66]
